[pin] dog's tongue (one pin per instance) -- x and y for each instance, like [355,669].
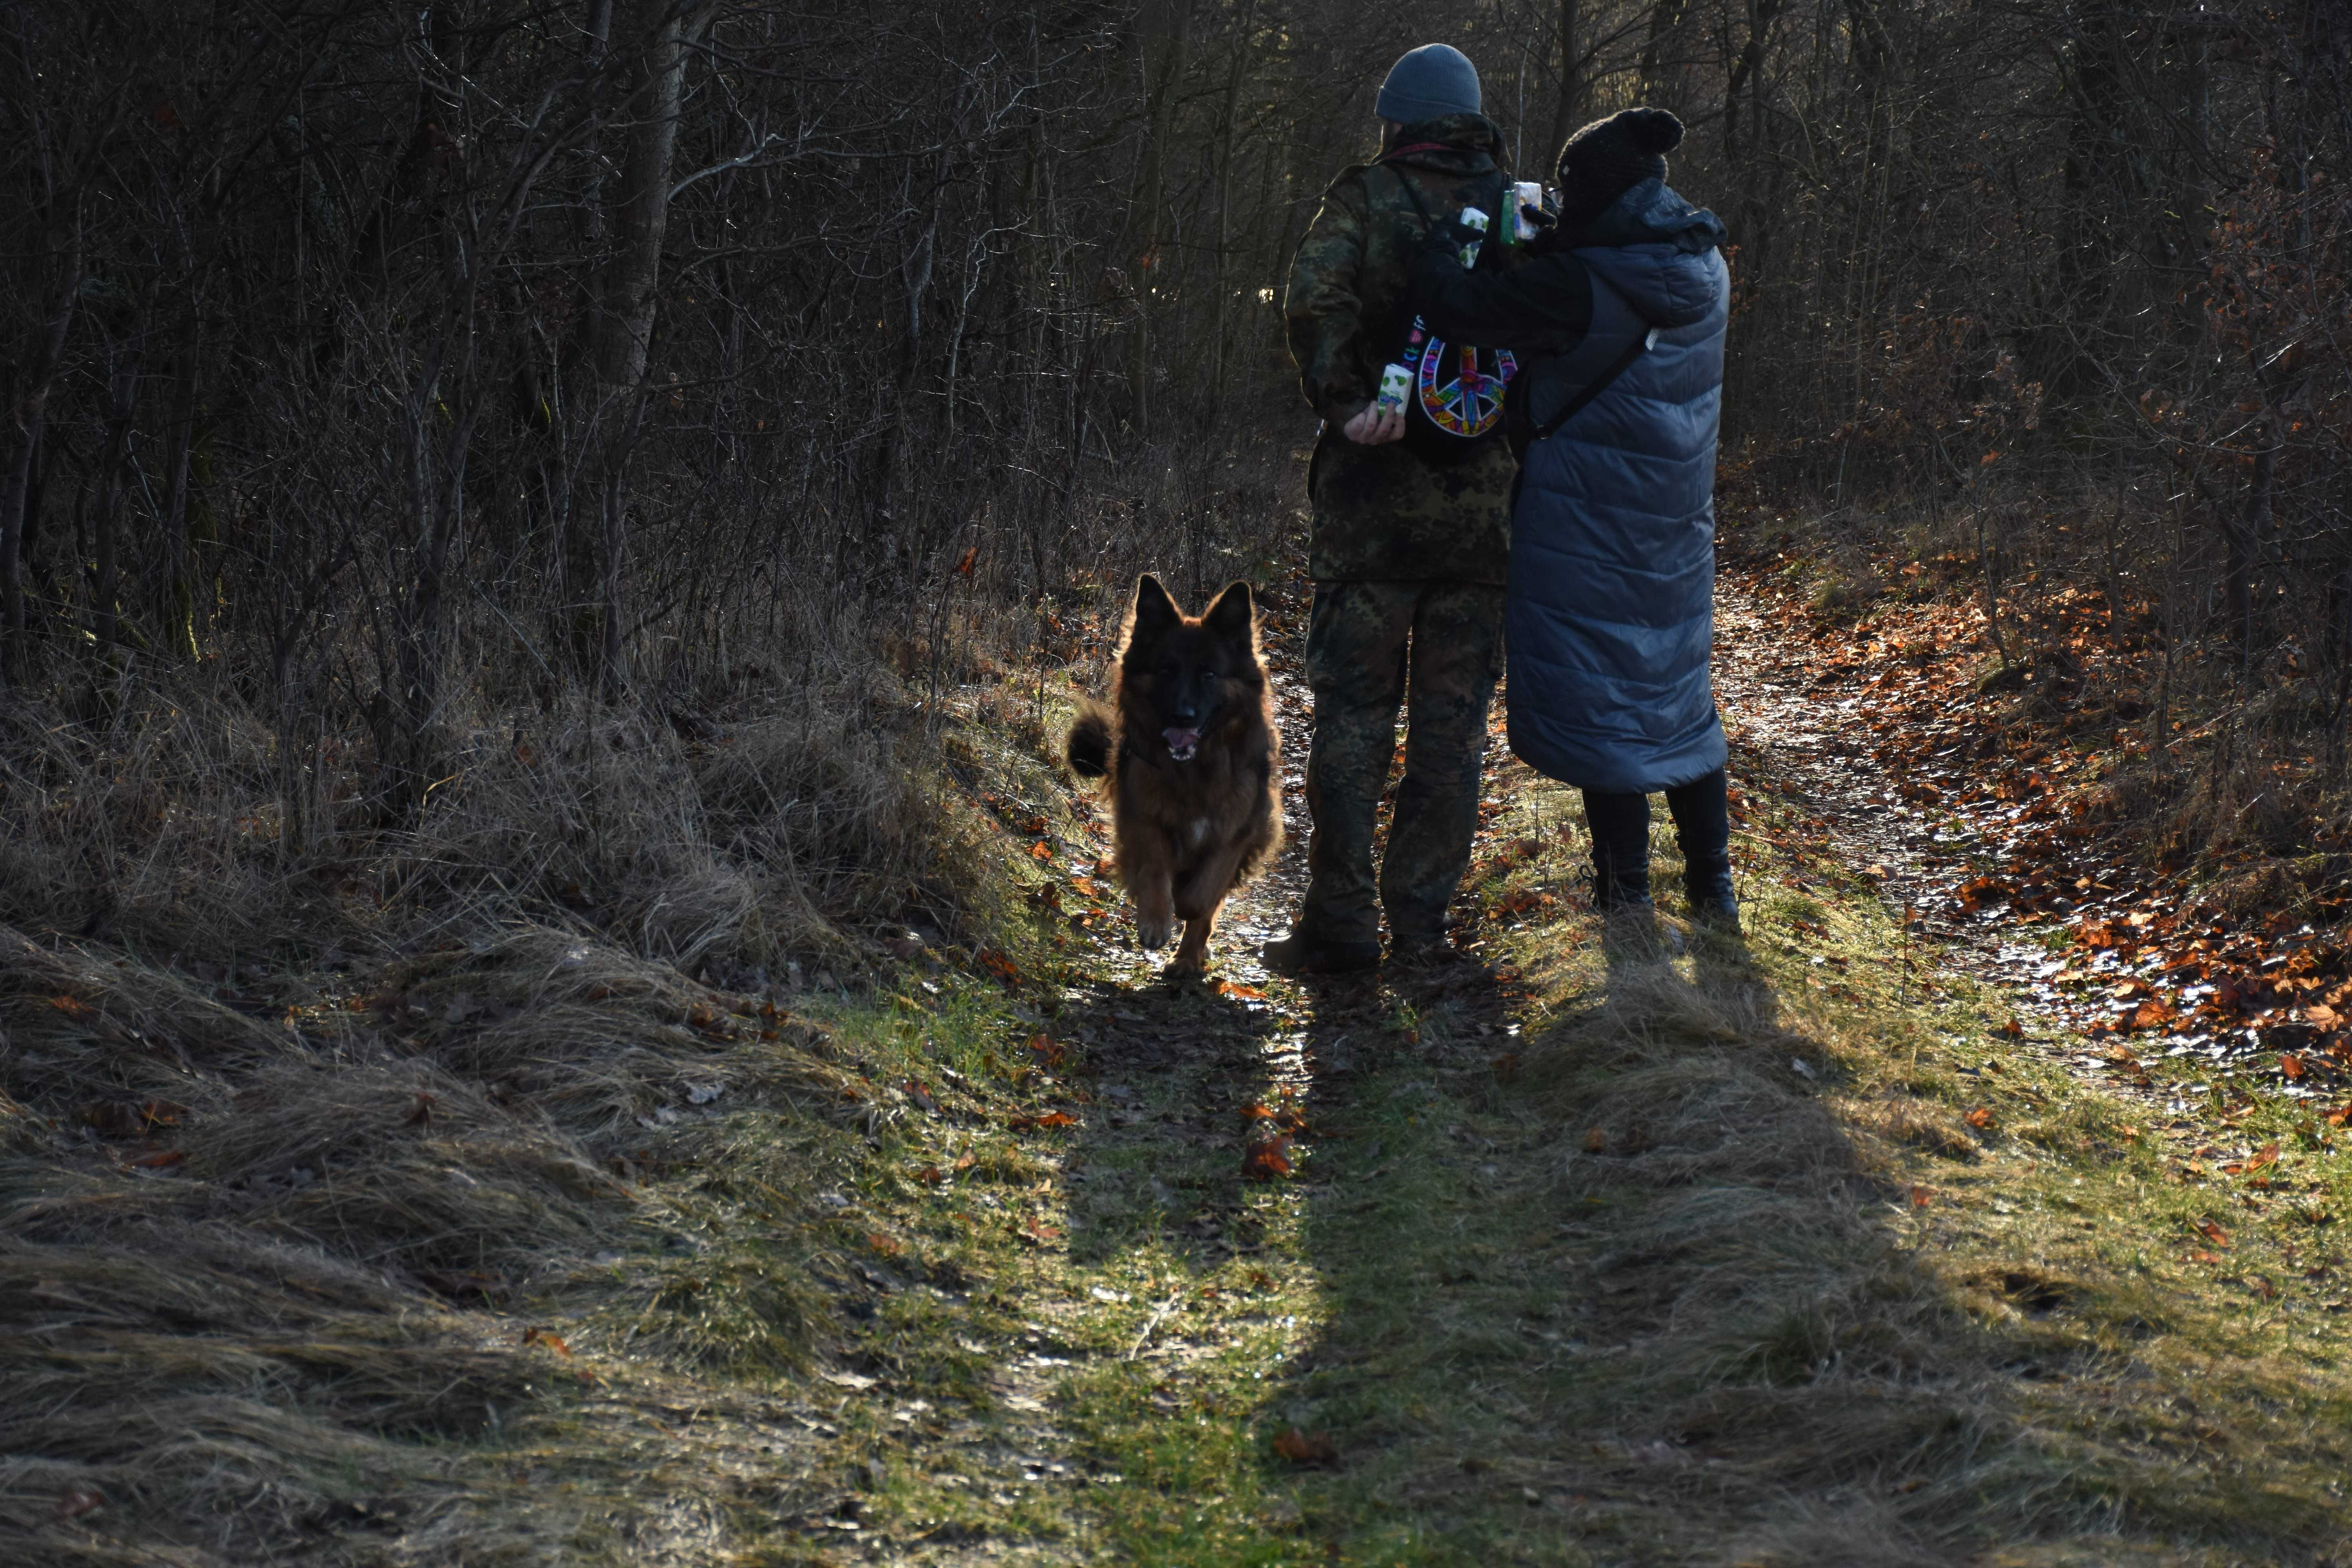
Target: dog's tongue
[1181,743]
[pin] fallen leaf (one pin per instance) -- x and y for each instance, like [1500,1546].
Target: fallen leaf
[1507,1066]
[1235,988]
[74,1007]
[79,1501]
[2210,1232]
[970,559]
[1921,1197]
[1595,1139]
[1038,1230]
[2290,1065]
[1305,1447]
[1055,1119]
[887,1245]
[159,1159]
[930,1175]
[1265,1160]
[964,1161]
[1980,1119]
[2267,1156]
[420,1110]
[996,964]
[459,1284]
[130,1119]
[548,1337]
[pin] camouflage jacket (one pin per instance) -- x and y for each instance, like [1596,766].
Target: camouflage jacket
[1385,513]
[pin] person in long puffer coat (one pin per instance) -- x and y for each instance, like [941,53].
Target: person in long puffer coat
[1609,622]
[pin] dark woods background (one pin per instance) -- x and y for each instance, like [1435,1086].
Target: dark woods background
[401,398]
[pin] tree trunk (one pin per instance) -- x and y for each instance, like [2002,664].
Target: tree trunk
[1570,103]
[1166,27]
[179,589]
[655,34]
[105,570]
[651,42]
[17,497]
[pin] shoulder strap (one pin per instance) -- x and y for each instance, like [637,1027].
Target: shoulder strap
[1616,339]
[1499,201]
[1410,194]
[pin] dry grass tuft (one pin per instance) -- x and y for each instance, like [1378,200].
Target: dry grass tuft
[1741,1168]
[257,1272]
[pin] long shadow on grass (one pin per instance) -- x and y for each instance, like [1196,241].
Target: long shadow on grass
[1178,1072]
[1638,1281]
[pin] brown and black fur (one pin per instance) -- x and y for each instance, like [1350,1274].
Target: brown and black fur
[1189,831]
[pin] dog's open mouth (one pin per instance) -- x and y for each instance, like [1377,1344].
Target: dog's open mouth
[1181,743]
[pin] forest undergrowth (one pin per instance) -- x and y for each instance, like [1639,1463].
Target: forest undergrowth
[556,1236]
[2128,783]
[341,1131]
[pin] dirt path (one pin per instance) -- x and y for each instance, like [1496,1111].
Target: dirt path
[1472,1308]
[1173,1068]
[1184,1083]
[1810,743]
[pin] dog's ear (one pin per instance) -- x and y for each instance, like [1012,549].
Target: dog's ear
[1155,611]
[1231,616]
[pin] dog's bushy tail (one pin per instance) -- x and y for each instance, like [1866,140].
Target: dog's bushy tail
[1088,747]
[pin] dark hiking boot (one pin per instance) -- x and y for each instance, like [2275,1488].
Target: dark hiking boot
[1708,884]
[1620,875]
[1422,952]
[1300,954]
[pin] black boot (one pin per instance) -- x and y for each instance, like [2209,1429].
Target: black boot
[1301,953]
[1708,884]
[1621,873]
[1703,825]
[1620,827]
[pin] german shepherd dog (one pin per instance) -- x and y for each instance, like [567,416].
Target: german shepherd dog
[1189,752]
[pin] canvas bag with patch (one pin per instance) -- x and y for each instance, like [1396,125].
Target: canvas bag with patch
[1455,404]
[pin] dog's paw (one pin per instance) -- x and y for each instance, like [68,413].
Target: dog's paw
[1153,934]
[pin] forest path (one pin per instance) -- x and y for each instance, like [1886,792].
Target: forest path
[1804,738]
[1406,1268]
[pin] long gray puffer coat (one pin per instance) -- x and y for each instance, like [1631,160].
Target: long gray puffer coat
[1611,617]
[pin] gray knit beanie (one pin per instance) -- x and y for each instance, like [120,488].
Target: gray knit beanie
[1433,80]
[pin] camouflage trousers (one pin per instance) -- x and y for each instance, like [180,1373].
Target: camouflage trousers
[1369,646]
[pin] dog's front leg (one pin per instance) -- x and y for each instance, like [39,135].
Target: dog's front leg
[1150,883]
[1198,900]
[1192,952]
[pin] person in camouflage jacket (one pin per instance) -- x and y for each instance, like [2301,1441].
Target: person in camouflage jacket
[1409,557]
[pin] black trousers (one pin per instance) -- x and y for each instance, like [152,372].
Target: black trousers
[1620,824]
